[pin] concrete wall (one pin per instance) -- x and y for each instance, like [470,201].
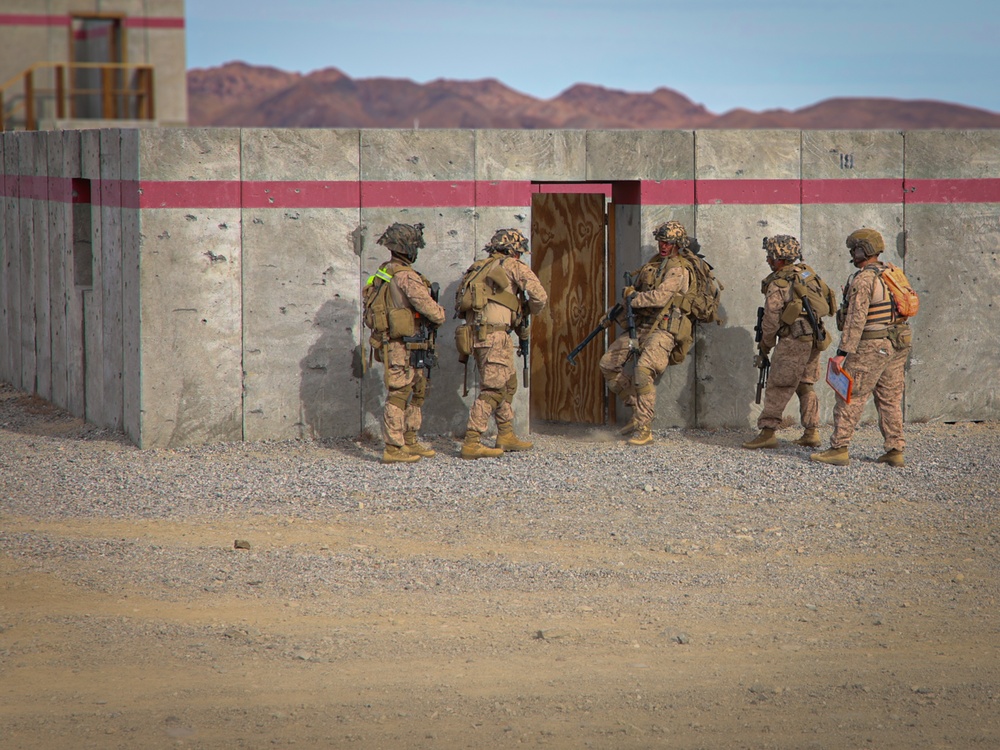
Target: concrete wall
[193,286]
[33,31]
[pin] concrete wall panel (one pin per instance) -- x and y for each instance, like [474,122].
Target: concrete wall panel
[93,297]
[450,246]
[861,156]
[131,297]
[58,213]
[953,261]
[112,289]
[75,381]
[417,154]
[616,155]
[190,276]
[539,155]
[301,320]
[730,229]
[40,251]
[27,145]
[10,286]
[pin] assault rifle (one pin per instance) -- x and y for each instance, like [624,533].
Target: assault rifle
[523,331]
[760,361]
[422,344]
[609,319]
[815,323]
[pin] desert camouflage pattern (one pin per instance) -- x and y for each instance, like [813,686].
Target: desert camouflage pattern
[403,236]
[493,349]
[507,241]
[672,232]
[782,247]
[865,291]
[406,386]
[877,365]
[795,363]
[654,289]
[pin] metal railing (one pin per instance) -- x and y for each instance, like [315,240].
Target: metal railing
[79,90]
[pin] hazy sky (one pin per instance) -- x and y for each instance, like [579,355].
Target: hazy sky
[755,54]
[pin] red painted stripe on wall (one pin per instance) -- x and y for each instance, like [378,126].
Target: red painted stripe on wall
[852,191]
[439,194]
[747,192]
[24,19]
[291,194]
[194,194]
[985,190]
[425,194]
[130,22]
[504,193]
[667,192]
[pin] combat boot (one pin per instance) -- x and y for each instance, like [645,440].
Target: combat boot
[393,454]
[835,456]
[508,441]
[893,457]
[473,447]
[415,448]
[628,428]
[643,436]
[810,438]
[765,439]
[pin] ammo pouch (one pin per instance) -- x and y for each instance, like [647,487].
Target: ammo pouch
[679,325]
[401,323]
[375,342]
[792,311]
[463,342]
[901,337]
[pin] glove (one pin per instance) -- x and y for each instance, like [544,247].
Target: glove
[628,292]
[764,350]
[841,353]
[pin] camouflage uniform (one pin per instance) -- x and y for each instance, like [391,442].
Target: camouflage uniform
[493,349]
[795,363]
[656,284]
[406,385]
[876,346]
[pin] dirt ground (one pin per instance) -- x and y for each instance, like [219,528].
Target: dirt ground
[761,643]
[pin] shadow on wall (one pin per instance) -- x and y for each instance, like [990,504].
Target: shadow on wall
[329,385]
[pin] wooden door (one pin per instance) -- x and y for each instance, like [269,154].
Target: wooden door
[568,254]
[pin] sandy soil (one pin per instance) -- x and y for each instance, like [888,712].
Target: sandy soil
[887,638]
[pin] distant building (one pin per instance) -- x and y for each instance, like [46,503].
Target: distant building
[86,63]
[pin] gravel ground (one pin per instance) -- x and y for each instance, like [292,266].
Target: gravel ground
[574,538]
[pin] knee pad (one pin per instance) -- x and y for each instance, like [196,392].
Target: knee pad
[510,389]
[645,389]
[419,391]
[399,399]
[803,389]
[643,378]
[492,399]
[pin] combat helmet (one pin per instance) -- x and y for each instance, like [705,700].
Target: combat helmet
[672,232]
[403,240]
[869,241]
[508,241]
[782,247]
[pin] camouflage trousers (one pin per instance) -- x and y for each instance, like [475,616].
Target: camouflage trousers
[795,369]
[497,382]
[654,356]
[877,369]
[406,389]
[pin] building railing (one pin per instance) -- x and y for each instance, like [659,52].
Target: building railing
[78,90]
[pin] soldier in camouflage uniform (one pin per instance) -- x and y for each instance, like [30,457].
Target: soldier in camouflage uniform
[874,347]
[795,366]
[660,281]
[405,384]
[493,346]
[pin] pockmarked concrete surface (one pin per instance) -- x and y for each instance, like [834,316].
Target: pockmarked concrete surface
[690,594]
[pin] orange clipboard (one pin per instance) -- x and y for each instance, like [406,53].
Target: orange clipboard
[840,380]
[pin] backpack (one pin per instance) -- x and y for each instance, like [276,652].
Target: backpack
[806,285]
[382,317]
[701,301]
[905,301]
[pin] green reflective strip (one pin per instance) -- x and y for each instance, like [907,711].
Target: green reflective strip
[379,274]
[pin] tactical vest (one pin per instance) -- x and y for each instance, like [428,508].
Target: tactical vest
[384,311]
[805,284]
[485,281]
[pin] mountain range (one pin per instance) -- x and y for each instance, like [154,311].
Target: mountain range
[240,95]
